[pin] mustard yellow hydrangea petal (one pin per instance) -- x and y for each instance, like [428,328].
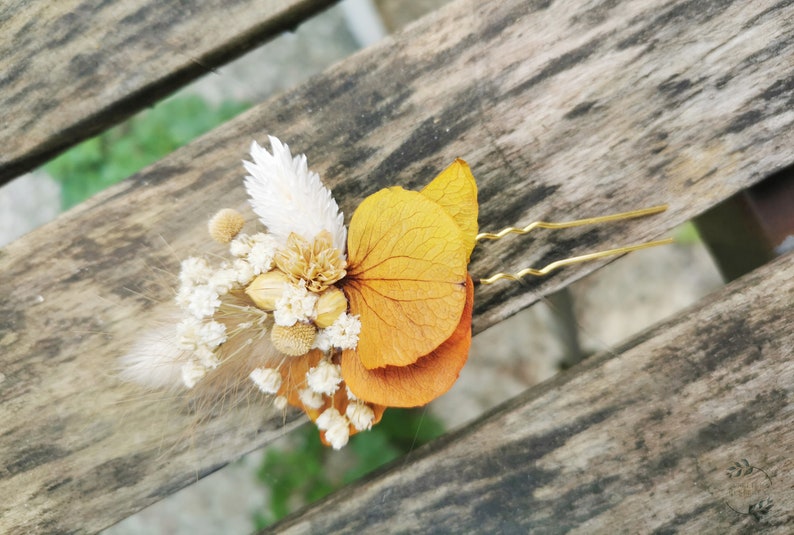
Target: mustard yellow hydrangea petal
[405,278]
[455,190]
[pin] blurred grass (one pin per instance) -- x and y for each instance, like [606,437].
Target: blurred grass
[305,470]
[686,234]
[129,147]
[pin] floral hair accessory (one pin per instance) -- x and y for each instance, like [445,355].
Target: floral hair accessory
[338,322]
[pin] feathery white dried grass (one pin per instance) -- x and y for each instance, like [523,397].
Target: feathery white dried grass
[288,197]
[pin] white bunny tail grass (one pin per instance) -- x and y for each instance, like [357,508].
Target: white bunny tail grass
[288,197]
[155,361]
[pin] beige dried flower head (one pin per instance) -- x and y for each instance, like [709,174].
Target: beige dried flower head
[330,306]
[318,263]
[266,289]
[295,340]
[225,225]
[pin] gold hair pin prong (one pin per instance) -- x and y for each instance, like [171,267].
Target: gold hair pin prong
[575,259]
[577,223]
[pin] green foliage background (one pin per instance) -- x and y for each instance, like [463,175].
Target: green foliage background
[129,147]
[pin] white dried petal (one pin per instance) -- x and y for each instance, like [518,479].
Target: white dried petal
[207,357]
[295,304]
[360,415]
[194,271]
[343,333]
[268,380]
[187,334]
[192,372]
[223,280]
[262,252]
[212,334]
[338,435]
[241,245]
[329,418]
[324,378]
[311,399]
[244,272]
[203,301]
[280,402]
[322,341]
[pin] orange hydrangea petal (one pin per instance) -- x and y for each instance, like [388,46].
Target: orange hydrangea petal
[405,276]
[455,190]
[293,380]
[418,383]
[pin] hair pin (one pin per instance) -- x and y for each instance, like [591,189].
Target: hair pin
[643,212]
[338,321]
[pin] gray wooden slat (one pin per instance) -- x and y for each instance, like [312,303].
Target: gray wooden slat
[637,440]
[563,110]
[73,68]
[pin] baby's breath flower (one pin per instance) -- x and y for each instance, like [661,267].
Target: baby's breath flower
[328,418]
[244,272]
[202,301]
[324,378]
[207,357]
[343,333]
[261,254]
[212,334]
[187,332]
[192,372]
[241,245]
[296,304]
[280,403]
[289,198]
[360,415]
[336,427]
[223,279]
[322,341]
[311,399]
[268,380]
[194,271]
[338,435]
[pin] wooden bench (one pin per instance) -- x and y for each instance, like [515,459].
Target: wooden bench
[563,109]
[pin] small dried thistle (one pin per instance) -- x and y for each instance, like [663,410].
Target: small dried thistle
[225,225]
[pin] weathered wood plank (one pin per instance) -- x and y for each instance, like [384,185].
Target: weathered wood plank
[563,110]
[633,441]
[73,68]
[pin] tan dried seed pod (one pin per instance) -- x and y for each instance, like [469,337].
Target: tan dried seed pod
[330,306]
[294,340]
[266,289]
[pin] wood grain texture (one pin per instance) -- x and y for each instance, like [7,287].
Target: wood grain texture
[73,68]
[637,440]
[563,110]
